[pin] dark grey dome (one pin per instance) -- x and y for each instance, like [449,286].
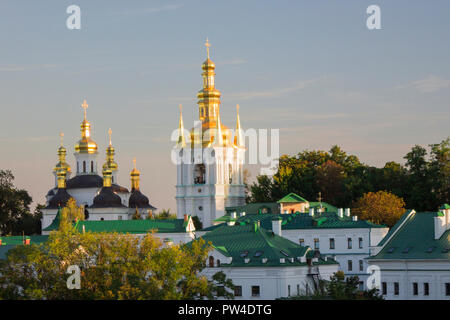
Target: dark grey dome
[137,199]
[50,193]
[85,181]
[107,199]
[59,199]
[117,188]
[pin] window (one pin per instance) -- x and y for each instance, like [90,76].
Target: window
[102,219]
[84,166]
[384,288]
[415,289]
[350,265]
[447,289]
[349,243]
[396,288]
[316,244]
[301,242]
[361,265]
[218,262]
[361,286]
[289,290]
[360,241]
[238,291]
[298,289]
[331,243]
[255,291]
[92,166]
[199,173]
[78,167]
[119,218]
[211,261]
[426,289]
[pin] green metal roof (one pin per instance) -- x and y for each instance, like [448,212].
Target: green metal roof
[292,197]
[445,206]
[13,241]
[328,207]
[415,239]
[292,221]
[255,243]
[257,207]
[133,226]
[55,223]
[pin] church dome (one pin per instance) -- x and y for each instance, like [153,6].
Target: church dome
[107,199]
[85,181]
[137,199]
[59,199]
[208,65]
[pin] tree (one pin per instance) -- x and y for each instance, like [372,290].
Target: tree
[198,225]
[220,286]
[15,216]
[113,266]
[380,207]
[166,214]
[70,214]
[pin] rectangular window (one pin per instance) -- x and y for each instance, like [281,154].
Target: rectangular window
[415,289]
[396,288]
[360,241]
[301,242]
[119,218]
[350,265]
[255,291]
[92,166]
[331,243]
[289,290]
[238,291]
[384,288]
[447,289]
[426,289]
[349,243]
[84,166]
[298,289]
[316,244]
[361,265]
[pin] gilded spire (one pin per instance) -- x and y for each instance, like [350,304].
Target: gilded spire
[86,144]
[110,163]
[238,137]
[61,177]
[107,177]
[181,142]
[218,139]
[134,177]
[207,45]
[62,164]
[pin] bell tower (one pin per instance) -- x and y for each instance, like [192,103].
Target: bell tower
[210,173]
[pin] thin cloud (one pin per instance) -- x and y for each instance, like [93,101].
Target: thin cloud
[18,68]
[169,7]
[231,62]
[276,92]
[429,84]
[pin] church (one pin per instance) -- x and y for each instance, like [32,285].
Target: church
[210,170]
[102,196]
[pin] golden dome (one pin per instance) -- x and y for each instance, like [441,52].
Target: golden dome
[208,65]
[62,164]
[110,163]
[86,144]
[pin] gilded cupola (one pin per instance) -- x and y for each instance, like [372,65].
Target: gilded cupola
[110,163]
[62,163]
[86,144]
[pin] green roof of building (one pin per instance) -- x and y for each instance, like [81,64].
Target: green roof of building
[413,238]
[445,206]
[13,241]
[55,223]
[133,226]
[328,207]
[292,197]
[241,242]
[292,221]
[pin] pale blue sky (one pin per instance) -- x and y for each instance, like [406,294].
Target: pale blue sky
[310,68]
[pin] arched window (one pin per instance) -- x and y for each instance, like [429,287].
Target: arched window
[218,262]
[230,173]
[84,166]
[78,167]
[211,261]
[199,173]
[92,166]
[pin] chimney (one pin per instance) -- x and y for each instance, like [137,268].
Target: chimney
[347,212]
[311,212]
[355,218]
[233,215]
[276,226]
[185,217]
[441,223]
[264,260]
[340,213]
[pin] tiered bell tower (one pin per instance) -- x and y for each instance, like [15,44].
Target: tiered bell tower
[210,173]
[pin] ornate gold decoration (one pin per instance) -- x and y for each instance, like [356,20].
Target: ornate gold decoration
[110,152]
[62,164]
[134,174]
[86,144]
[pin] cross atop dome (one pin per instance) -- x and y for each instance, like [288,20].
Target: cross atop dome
[61,135]
[84,106]
[109,133]
[207,45]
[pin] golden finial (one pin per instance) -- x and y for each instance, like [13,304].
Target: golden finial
[84,106]
[238,137]
[109,133]
[207,45]
[134,163]
[61,135]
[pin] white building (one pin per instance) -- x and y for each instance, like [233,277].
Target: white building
[103,200]
[263,265]
[414,257]
[210,162]
[336,234]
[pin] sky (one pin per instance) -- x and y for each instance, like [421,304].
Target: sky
[311,69]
